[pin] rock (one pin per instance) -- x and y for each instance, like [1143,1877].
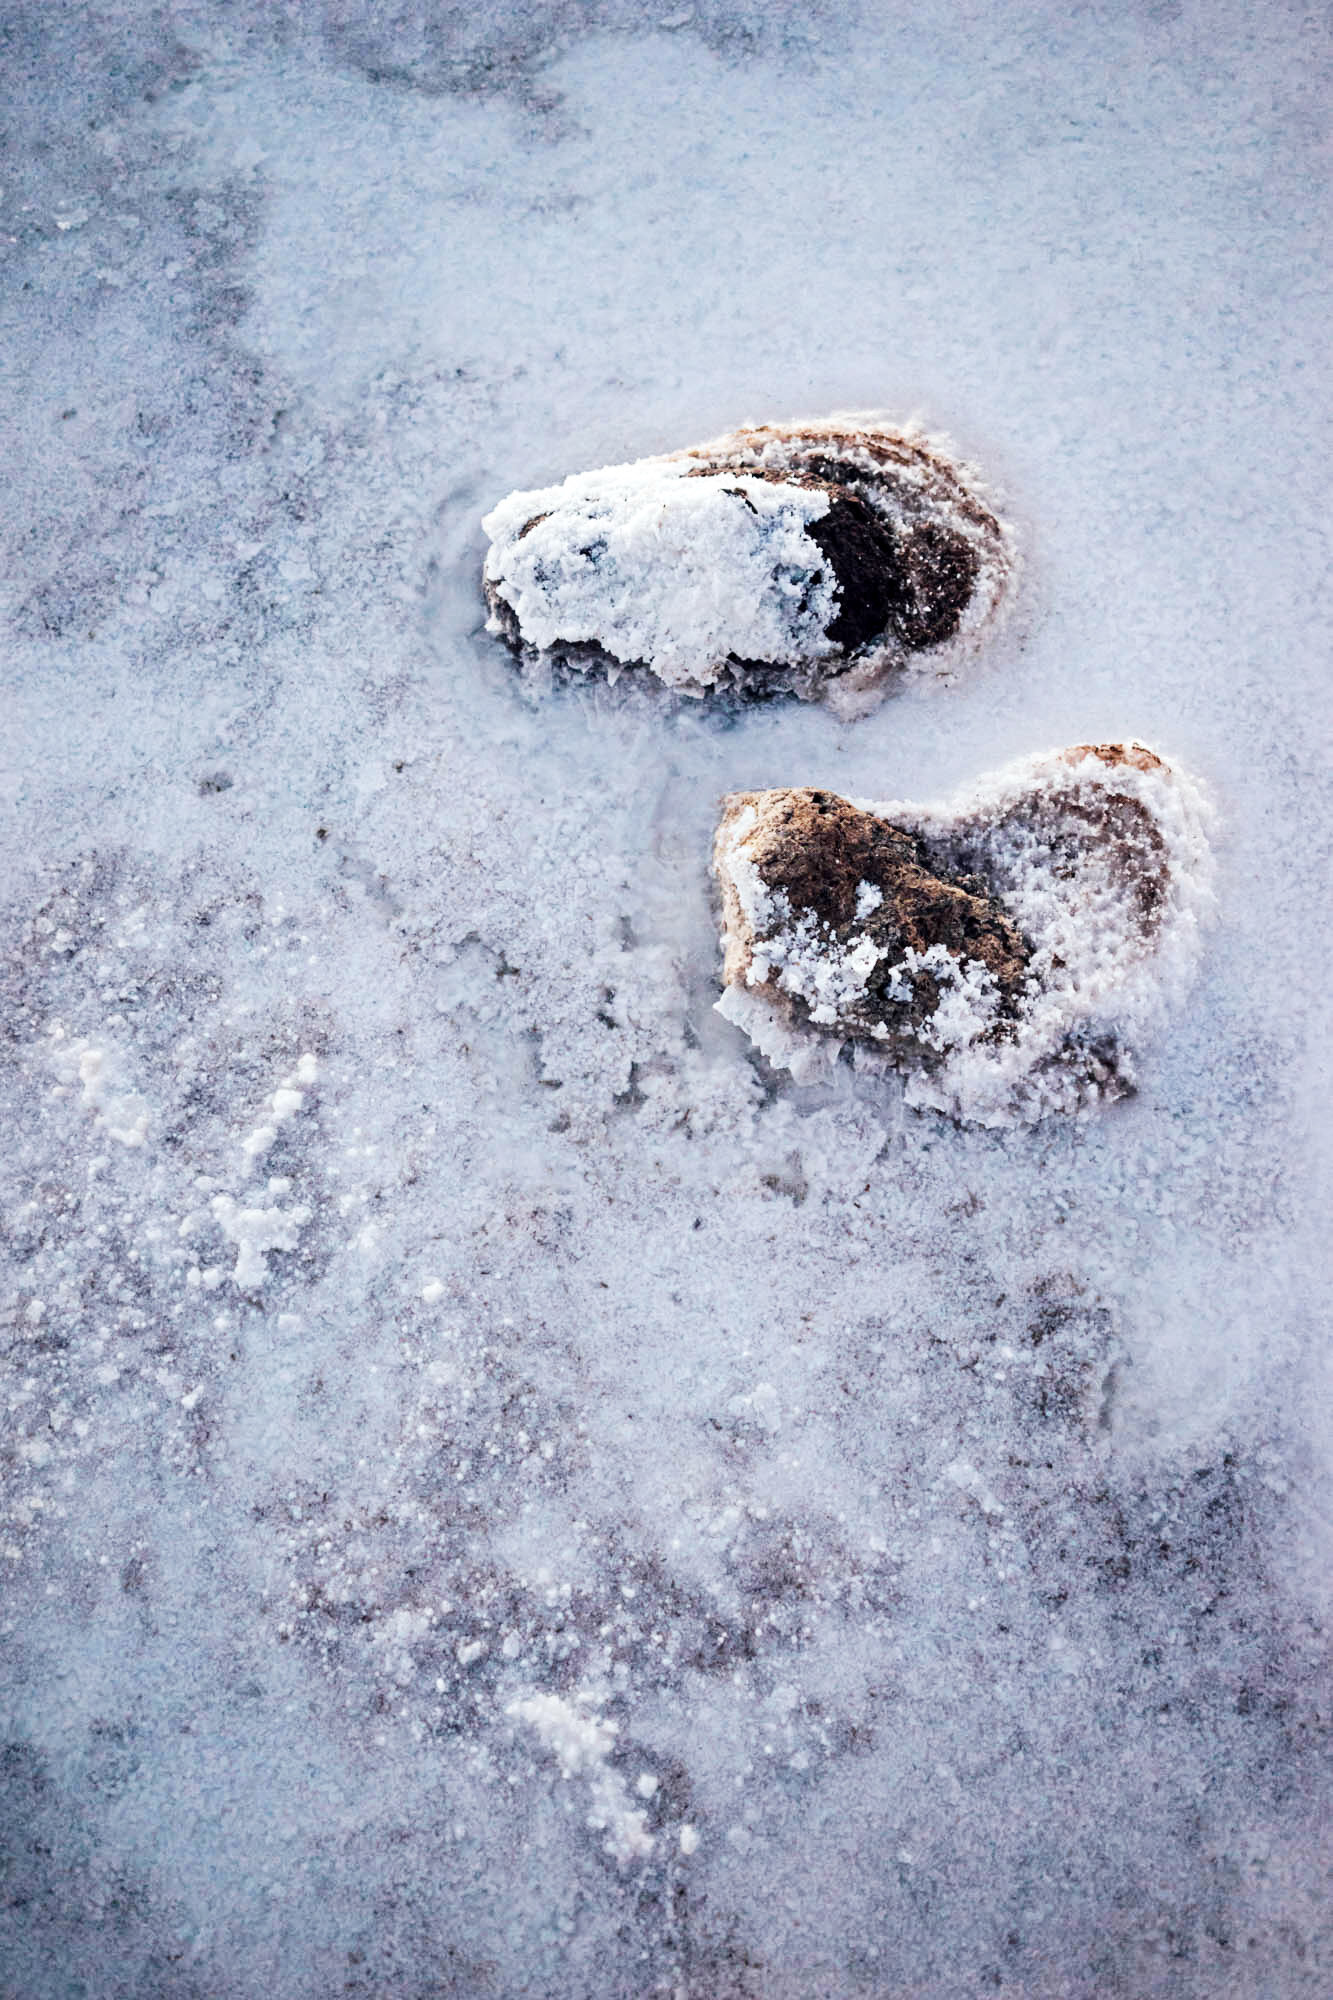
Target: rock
[840,913]
[820,560]
[1008,952]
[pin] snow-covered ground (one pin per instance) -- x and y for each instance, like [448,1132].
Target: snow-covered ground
[502,1492]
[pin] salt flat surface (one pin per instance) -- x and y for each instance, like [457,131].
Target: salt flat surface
[501,1492]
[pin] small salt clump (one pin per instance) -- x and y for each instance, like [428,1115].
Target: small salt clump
[821,560]
[1008,952]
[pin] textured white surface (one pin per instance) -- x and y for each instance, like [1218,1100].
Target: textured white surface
[941,1516]
[667,565]
[687,571]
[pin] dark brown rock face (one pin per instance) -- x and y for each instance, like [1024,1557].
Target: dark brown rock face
[913,585]
[860,548]
[903,534]
[821,852]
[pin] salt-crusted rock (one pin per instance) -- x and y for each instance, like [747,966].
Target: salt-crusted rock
[819,560]
[842,911]
[1008,951]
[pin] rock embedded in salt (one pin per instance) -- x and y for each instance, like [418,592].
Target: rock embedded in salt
[1008,951]
[820,560]
[829,900]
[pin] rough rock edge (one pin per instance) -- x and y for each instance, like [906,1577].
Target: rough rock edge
[1099,853]
[906,475]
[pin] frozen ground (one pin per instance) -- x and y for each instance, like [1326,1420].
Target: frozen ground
[501,1494]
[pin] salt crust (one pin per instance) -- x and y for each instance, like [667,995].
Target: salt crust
[1104,865]
[687,572]
[253,1228]
[96,1068]
[690,570]
[582,1745]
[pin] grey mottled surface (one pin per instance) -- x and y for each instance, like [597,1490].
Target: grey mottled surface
[940,1519]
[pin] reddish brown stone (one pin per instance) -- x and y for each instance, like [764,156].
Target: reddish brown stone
[818,849]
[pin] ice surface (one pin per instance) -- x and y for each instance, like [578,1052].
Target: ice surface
[940,1516]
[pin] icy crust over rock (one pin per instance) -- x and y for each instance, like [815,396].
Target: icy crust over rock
[815,560]
[654,566]
[1037,929]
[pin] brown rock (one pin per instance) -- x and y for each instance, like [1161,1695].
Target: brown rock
[818,851]
[902,534]
[1100,852]
[1132,754]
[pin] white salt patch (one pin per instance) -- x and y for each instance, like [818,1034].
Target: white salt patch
[256,1231]
[764,1403]
[95,1067]
[805,1056]
[284,1103]
[582,1745]
[761,1405]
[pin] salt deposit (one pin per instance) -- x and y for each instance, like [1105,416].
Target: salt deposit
[561,1395]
